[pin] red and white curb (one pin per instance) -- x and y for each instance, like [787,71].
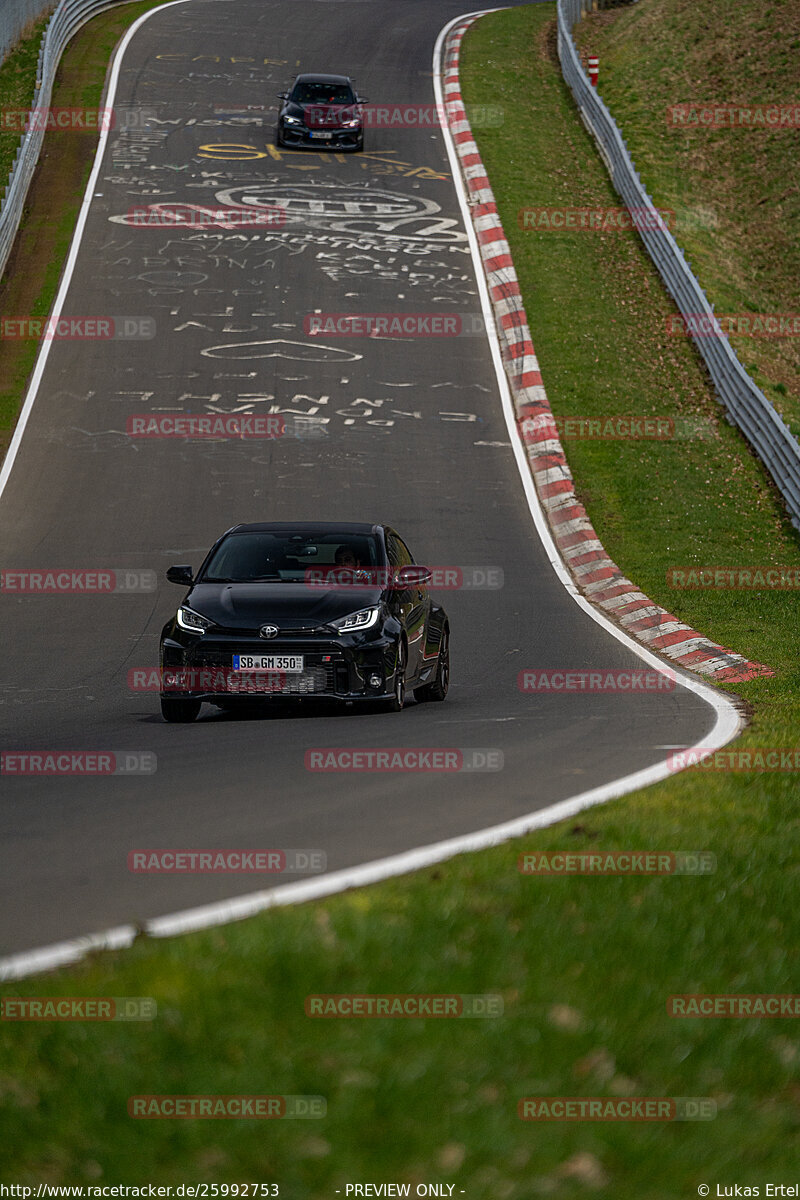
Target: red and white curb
[597,576]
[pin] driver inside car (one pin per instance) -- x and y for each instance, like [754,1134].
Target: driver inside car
[345,556]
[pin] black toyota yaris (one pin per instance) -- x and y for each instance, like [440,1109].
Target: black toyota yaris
[278,611]
[321,111]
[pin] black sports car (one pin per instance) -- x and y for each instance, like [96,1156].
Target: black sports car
[321,111]
[324,610]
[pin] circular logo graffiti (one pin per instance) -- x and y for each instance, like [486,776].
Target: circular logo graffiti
[305,200]
[354,210]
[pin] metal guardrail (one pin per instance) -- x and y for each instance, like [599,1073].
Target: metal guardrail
[746,405]
[67,19]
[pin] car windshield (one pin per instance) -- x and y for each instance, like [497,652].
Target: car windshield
[288,557]
[311,92]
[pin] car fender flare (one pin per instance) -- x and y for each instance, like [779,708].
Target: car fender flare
[437,623]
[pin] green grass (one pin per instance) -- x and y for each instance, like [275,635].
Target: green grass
[584,965]
[734,191]
[17,85]
[598,314]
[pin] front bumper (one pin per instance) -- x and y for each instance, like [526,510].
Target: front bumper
[340,139]
[336,669]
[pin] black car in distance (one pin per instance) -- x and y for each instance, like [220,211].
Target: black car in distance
[282,611]
[321,111]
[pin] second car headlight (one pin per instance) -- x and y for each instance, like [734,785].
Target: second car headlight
[292,121]
[191,621]
[363,619]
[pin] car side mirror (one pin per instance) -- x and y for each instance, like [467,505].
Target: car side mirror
[283,95]
[361,99]
[182,575]
[413,576]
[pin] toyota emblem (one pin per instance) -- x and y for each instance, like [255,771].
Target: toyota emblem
[269,631]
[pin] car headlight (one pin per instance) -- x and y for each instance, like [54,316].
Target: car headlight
[191,621]
[292,121]
[351,124]
[363,619]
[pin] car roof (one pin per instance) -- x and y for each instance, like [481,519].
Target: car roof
[308,78]
[306,527]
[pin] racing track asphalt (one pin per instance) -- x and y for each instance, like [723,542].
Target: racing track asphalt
[410,432]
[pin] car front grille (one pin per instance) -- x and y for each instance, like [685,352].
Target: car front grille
[315,681]
[317,678]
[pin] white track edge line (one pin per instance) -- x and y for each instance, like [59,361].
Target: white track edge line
[727,725]
[224,912]
[77,237]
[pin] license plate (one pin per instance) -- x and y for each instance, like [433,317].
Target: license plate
[291,664]
[322,135]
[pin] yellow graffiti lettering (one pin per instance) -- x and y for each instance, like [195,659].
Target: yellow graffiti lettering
[230,151]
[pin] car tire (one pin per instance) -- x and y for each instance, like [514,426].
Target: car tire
[179,712]
[438,687]
[399,698]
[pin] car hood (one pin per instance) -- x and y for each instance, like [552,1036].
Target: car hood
[287,605]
